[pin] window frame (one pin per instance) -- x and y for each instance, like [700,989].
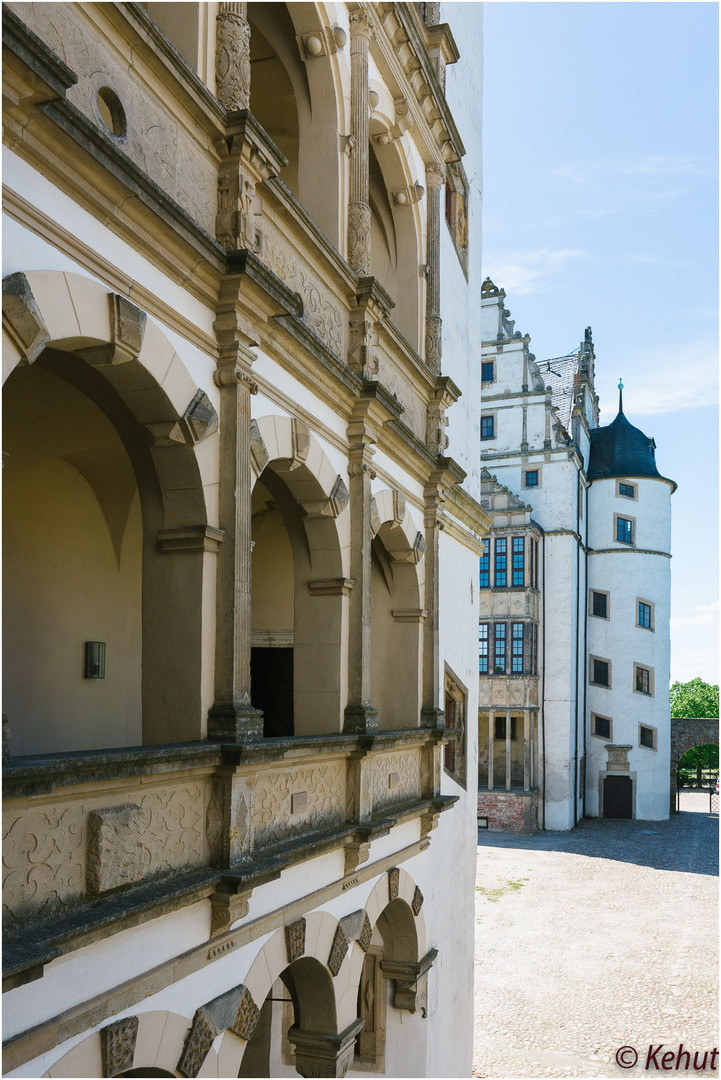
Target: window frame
[455,752]
[488,364]
[651,680]
[515,655]
[596,734]
[498,555]
[652,614]
[500,635]
[487,640]
[654,737]
[486,555]
[531,472]
[591,671]
[521,568]
[600,592]
[632,523]
[621,494]
[497,721]
[492,417]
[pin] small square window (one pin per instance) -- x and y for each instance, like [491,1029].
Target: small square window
[648,737]
[530,478]
[488,427]
[488,371]
[643,680]
[624,530]
[644,617]
[599,604]
[601,726]
[627,490]
[600,672]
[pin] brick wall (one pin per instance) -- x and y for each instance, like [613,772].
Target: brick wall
[509,811]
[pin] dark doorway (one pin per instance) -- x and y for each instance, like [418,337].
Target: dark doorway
[271,680]
[617,797]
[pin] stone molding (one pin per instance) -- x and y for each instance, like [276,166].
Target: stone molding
[322,1055]
[190,538]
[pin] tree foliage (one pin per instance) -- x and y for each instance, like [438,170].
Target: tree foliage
[695,699]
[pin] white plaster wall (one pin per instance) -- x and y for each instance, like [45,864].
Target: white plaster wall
[651,511]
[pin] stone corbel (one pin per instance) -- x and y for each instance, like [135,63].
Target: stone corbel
[445,393]
[411,982]
[322,1055]
[355,854]
[22,319]
[226,909]
[408,196]
[373,304]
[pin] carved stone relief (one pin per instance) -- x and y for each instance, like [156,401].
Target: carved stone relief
[338,950]
[117,1042]
[295,940]
[417,902]
[405,788]
[115,847]
[394,880]
[43,863]
[326,806]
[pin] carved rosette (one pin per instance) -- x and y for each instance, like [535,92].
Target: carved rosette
[232,57]
[117,1042]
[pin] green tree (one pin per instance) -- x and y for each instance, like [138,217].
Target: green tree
[694,699]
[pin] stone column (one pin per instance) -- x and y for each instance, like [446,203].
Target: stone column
[359,211]
[490,750]
[232,717]
[232,56]
[526,751]
[318,1054]
[432,714]
[508,751]
[435,178]
[360,716]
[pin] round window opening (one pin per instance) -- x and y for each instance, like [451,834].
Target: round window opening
[112,112]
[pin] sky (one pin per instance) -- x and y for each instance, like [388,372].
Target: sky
[600,132]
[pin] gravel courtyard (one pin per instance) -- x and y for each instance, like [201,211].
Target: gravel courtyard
[597,939]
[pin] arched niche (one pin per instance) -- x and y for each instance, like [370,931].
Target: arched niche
[396,611]
[396,230]
[299,588]
[295,93]
[107,514]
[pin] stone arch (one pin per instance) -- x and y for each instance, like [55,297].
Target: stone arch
[403,186]
[106,348]
[306,47]
[397,610]
[152,1040]
[686,733]
[309,498]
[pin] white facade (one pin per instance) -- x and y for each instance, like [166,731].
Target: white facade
[582,487]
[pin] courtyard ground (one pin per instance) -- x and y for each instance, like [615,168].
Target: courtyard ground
[597,939]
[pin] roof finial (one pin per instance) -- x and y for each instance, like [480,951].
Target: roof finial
[620,395]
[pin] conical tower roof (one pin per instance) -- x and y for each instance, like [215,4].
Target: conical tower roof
[620,449]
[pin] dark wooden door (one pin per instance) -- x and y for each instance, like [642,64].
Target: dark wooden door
[617,797]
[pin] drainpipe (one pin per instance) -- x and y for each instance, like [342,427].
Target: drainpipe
[578,645]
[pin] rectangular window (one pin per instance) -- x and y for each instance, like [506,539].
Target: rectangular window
[599,604]
[518,560]
[487,372]
[601,726]
[627,490]
[624,531]
[487,427]
[600,672]
[530,478]
[647,737]
[483,648]
[500,723]
[499,563]
[485,575]
[643,680]
[517,648]
[644,615]
[499,657]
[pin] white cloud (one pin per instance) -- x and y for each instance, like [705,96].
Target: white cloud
[681,378]
[705,619]
[643,165]
[523,272]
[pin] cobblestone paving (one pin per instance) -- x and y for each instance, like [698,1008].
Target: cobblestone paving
[591,940]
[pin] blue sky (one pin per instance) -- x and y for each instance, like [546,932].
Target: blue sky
[601,209]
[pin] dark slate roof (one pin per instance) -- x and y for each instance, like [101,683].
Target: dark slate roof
[559,373]
[620,449]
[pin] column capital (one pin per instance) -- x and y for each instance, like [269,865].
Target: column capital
[435,174]
[318,1054]
[361,24]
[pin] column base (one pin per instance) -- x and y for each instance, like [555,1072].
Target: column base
[317,1054]
[433,718]
[360,720]
[235,723]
